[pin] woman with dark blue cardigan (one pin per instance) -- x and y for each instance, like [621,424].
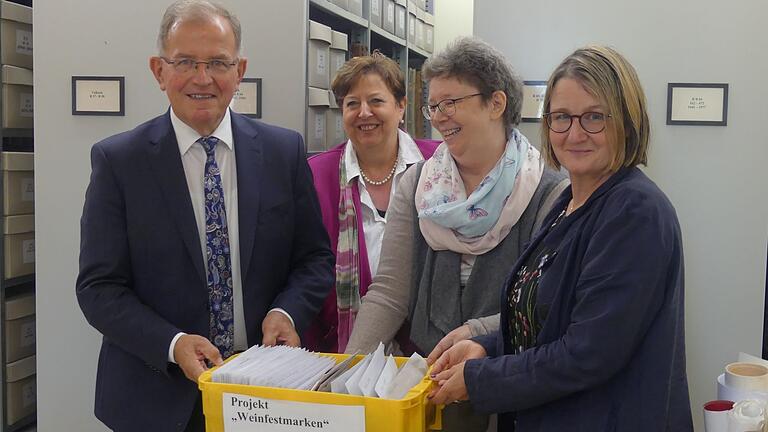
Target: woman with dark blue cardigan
[591,330]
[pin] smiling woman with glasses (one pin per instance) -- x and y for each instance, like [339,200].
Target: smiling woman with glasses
[591,324]
[462,217]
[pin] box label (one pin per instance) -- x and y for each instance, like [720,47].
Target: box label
[28,189]
[28,334]
[24,42]
[28,251]
[321,60]
[401,20]
[26,107]
[412,26]
[339,127]
[319,126]
[391,12]
[247,413]
[429,36]
[28,394]
[375,8]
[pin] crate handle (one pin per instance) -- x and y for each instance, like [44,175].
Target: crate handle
[434,416]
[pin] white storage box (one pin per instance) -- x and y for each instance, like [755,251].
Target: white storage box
[18,108]
[388,16]
[316,119]
[400,14]
[334,123]
[19,327]
[356,7]
[376,12]
[19,245]
[18,182]
[337,53]
[320,37]
[429,32]
[16,34]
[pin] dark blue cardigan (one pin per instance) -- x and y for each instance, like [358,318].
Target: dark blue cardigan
[611,354]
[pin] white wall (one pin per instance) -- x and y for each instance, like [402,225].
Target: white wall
[95,37]
[715,176]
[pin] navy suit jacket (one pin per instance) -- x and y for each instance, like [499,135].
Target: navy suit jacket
[142,276]
[610,355]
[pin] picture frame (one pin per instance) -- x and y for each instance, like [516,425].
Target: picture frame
[247,98]
[98,95]
[533,101]
[697,104]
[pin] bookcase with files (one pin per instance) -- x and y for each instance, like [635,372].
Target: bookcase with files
[17,243]
[340,29]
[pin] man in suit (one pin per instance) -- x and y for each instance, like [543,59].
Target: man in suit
[200,236]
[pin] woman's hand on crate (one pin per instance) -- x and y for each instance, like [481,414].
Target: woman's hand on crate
[456,335]
[191,353]
[450,386]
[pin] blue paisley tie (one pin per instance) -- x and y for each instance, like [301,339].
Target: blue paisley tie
[217,254]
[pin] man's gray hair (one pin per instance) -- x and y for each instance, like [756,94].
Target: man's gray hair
[475,62]
[195,10]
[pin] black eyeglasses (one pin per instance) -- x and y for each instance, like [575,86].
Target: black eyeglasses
[446,106]
[213,66]
[591,122]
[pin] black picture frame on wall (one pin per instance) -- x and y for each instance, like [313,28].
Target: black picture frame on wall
[85,88]
[697,104]
[244,91]
[530,103]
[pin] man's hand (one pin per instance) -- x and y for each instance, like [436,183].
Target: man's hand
[191,352]
[456,335]
[278,330]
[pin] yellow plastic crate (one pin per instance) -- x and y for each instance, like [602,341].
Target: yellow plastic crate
[411,414]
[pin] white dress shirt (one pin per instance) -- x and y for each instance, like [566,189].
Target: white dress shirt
[373,223]
[193,159]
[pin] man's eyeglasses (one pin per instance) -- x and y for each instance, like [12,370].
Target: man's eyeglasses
[591,122]
[446,106]
[213,66]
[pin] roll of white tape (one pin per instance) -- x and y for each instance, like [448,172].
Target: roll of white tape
[746,376]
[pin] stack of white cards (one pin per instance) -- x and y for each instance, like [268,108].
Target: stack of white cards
[276,366]
[376,375]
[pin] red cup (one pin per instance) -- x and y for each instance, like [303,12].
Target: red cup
[718,405]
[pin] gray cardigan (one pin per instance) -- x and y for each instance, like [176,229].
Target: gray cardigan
[422,285]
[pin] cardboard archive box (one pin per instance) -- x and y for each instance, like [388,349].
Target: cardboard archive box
[376,13]
[337,53]
[18,182]
[320,37]
[19,327]
[316,119]
[21,388]
[19,245]
[18,108]
[334,123]
[16,34]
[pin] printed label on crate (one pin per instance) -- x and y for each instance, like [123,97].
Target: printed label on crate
[28,251]
[24,42]
[321,54]
[26,105]
[28,394]
[247,413]
[28,334]
[28,189]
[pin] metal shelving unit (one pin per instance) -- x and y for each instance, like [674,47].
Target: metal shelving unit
[362,32]
[16,140]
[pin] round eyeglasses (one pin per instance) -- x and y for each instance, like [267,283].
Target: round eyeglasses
[446,106]
[213,66]
[591,122]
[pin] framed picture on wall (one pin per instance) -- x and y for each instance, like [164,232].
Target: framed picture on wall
[697,104]
[98,95]
[247,98]
[533,100]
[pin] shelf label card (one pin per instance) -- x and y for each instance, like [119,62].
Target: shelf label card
[28,251]
[97,95]
[247,413]
[23,42]
[697,104]
[26,105]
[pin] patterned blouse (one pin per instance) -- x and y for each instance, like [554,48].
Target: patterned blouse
[524,320]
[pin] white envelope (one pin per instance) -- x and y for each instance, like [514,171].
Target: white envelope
[371,376]
[387,375]
[352,383]
[410,374]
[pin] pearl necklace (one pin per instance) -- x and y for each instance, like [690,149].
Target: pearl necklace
[382,181]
